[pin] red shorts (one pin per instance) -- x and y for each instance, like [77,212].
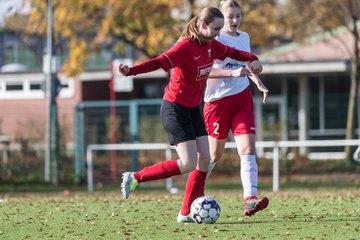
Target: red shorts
[234,112]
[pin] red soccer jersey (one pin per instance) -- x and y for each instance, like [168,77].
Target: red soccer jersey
[191,63]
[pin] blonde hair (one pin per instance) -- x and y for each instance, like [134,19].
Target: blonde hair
[207,15]
[229,3]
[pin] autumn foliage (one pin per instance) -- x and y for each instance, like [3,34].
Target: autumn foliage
[147,25]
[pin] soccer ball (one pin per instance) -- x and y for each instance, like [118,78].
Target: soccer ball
[205,209]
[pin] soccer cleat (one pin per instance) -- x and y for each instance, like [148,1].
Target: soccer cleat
[254,204]
[128,184]
[184,219]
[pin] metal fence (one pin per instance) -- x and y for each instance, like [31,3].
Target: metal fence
[276,146]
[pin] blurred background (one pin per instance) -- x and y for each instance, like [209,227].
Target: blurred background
[59,94]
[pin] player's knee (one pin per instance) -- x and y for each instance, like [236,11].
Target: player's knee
[188,166]
[246,150]
[216,155]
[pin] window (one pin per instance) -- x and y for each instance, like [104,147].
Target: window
[14,86]
[15,50]
[35,86]
[31,86]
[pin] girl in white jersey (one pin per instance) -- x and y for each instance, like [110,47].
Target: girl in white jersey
[229,105]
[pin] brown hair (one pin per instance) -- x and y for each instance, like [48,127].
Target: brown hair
[229,3]
[207,15]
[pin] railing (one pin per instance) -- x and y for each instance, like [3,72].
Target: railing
[124,146]
[275,145]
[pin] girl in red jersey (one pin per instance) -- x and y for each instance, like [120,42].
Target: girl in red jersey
[191,60]
[229,105]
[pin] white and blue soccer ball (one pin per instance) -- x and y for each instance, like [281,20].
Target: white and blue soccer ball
[205,209]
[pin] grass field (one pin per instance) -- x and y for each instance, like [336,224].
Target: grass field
[329,213]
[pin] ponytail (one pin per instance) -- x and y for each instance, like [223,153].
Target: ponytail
[207,15]
[190,30]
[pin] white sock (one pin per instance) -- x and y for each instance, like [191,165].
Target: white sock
[211,167]
[249,175]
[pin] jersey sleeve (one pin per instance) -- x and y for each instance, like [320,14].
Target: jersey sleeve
[174,57]
[248,39]
[147,66]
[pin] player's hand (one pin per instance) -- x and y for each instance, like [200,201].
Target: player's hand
[241,72]
[264,90]
[255,67]
[123,69]
[260,85]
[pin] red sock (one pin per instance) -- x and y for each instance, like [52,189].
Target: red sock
[161,170]
[194,189]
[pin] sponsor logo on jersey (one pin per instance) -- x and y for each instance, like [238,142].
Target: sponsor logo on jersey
[234,65]
[203,72]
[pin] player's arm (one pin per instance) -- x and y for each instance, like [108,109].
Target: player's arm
[145,67]
[260,85]
[222,51]
[174,57]
[255,66]
[227,73]
[226,51]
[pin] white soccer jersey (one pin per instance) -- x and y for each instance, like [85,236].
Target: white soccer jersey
[222,87]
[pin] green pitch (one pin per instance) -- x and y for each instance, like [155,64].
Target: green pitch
[293,214]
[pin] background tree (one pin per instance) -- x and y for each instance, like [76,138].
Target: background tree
[150,26]
[146,25]
[260,20]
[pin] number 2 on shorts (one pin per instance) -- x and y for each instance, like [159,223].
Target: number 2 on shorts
[216,130]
